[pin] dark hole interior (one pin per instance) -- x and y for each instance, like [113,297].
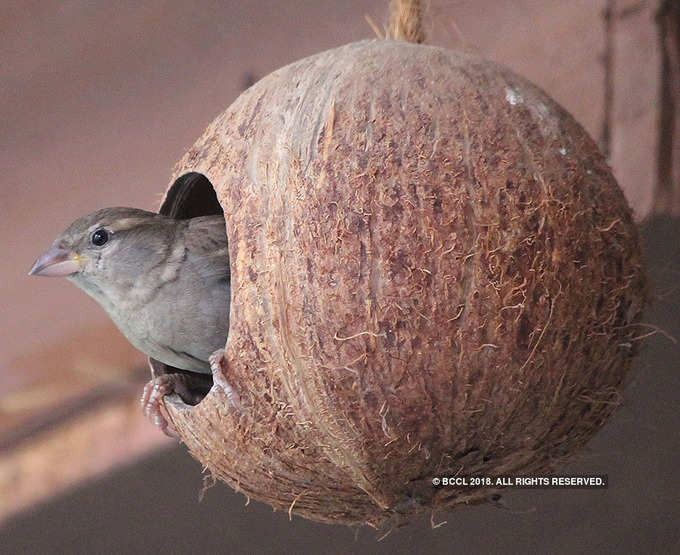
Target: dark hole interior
[190,196]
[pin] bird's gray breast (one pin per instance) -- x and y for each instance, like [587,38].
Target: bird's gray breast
[178,312]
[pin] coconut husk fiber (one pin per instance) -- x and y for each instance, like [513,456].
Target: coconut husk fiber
[434,273]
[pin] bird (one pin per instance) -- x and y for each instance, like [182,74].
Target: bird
[165,283]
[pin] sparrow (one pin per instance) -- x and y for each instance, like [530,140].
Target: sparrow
[164,282]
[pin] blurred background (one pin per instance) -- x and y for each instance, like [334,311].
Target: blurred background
[97,102]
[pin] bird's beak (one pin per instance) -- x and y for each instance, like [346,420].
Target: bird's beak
[56,262]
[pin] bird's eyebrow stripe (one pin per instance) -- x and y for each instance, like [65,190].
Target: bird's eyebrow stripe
[128,223]
[124,224]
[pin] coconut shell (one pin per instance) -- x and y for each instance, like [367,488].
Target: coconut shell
[434,273]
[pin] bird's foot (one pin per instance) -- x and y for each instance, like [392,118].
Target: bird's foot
[152,402]
[190,389]
[216,366]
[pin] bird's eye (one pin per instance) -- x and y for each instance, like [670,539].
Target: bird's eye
[100,237]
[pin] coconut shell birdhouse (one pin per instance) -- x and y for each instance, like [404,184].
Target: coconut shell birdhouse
[433,273]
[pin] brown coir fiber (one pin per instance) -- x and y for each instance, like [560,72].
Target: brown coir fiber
[433,273]
[406,20]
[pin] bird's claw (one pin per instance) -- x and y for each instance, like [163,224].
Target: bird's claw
[215,361]
[190,388]
[152,402]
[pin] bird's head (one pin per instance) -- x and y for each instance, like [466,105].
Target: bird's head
[111,241]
